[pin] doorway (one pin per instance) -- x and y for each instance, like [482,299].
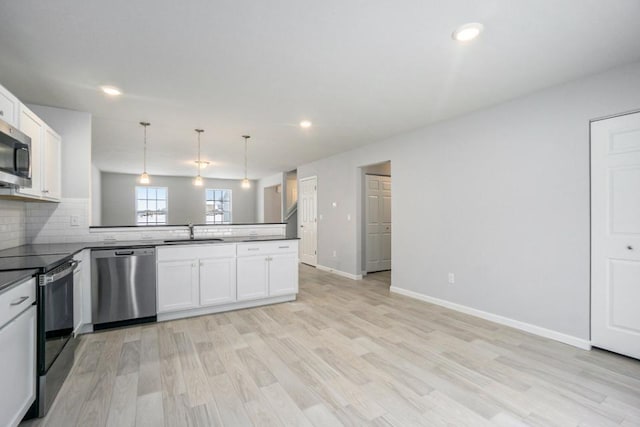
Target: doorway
[308,199]
[376,218]
[273,203]
[615,234]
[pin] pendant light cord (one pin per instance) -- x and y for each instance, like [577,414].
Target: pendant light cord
[144,155]
[199,163]
[246,139]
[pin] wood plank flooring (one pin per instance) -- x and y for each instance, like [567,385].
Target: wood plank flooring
[345,353]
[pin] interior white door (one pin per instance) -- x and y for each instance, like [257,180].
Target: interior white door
[378,223]
[615,234]
[308,203]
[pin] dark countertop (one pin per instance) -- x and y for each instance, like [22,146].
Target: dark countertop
[10,278]
[142,227]
[43,255]
[40,262]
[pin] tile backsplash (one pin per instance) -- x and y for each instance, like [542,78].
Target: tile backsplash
[12,223]
[56,223]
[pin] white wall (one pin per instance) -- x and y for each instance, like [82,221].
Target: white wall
[261,184]
[500,197]
[96,196]
[75,129]
[186,203]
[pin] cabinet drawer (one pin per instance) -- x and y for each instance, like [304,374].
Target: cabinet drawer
[193,251]
[16,300]
[277,247]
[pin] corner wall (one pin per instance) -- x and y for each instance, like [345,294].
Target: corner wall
[500,197]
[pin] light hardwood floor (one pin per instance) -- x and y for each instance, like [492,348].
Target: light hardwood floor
[345,353]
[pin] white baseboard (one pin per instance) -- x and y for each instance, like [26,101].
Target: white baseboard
[523,326]
[340,273]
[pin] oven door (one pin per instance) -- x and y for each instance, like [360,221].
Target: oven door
[56,315]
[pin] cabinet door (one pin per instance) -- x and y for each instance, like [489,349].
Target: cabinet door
[283,274]
[51,165]
[34,128]
[18,368]
[252,277]
[77,298]
[217,281]
[9,106]
[177,285]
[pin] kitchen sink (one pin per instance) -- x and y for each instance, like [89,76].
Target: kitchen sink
[193,240]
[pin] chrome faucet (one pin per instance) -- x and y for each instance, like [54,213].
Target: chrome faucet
[191,233]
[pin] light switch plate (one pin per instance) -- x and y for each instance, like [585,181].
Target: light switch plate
[75,221]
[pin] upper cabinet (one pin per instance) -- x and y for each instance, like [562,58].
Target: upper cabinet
[9,107]
[46,150]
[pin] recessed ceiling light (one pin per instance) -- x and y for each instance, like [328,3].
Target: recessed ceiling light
[111,90]
[305,124]
[467,32]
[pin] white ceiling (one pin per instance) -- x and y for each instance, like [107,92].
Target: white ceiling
[361,70]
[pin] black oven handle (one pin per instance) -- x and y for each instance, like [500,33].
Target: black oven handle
[59,273]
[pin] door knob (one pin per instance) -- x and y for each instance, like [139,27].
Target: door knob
[630,247]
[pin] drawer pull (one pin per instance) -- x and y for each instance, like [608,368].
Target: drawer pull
[253,249]
[283,247]
[19,301]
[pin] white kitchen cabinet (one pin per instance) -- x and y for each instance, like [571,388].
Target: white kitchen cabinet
[253,282]
[267,269]
[177,284]
[17,352]
[283,274]
[192,276]
[51,165]
[9,107]
[217,281]
[199,279]
[46,155]
[82,291]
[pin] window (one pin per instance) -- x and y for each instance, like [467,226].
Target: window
[218,210]
[151,205]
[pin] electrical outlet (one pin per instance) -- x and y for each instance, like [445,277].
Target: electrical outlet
[335,254]
[75,221]
[334,204]
[348,217]
[452,278]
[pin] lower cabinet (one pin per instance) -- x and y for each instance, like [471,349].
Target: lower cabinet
[283,274]
[17,352]
[217,281]
[178,285]
[194,278]
[267,269]
[253,282]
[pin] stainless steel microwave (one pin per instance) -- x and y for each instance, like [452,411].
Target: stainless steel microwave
[15,157]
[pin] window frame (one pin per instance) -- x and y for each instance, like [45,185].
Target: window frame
[135,201]
[206,199]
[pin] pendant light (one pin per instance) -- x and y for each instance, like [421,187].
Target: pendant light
[245,182]
[144,178]
[198,181]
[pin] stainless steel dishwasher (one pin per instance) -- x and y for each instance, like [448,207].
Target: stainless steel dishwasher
[123,287]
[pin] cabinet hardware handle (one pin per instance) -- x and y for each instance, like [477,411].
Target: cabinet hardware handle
[253,249]
[19,301]
[283,247]
[45,191]
[1,113]
[630,247]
